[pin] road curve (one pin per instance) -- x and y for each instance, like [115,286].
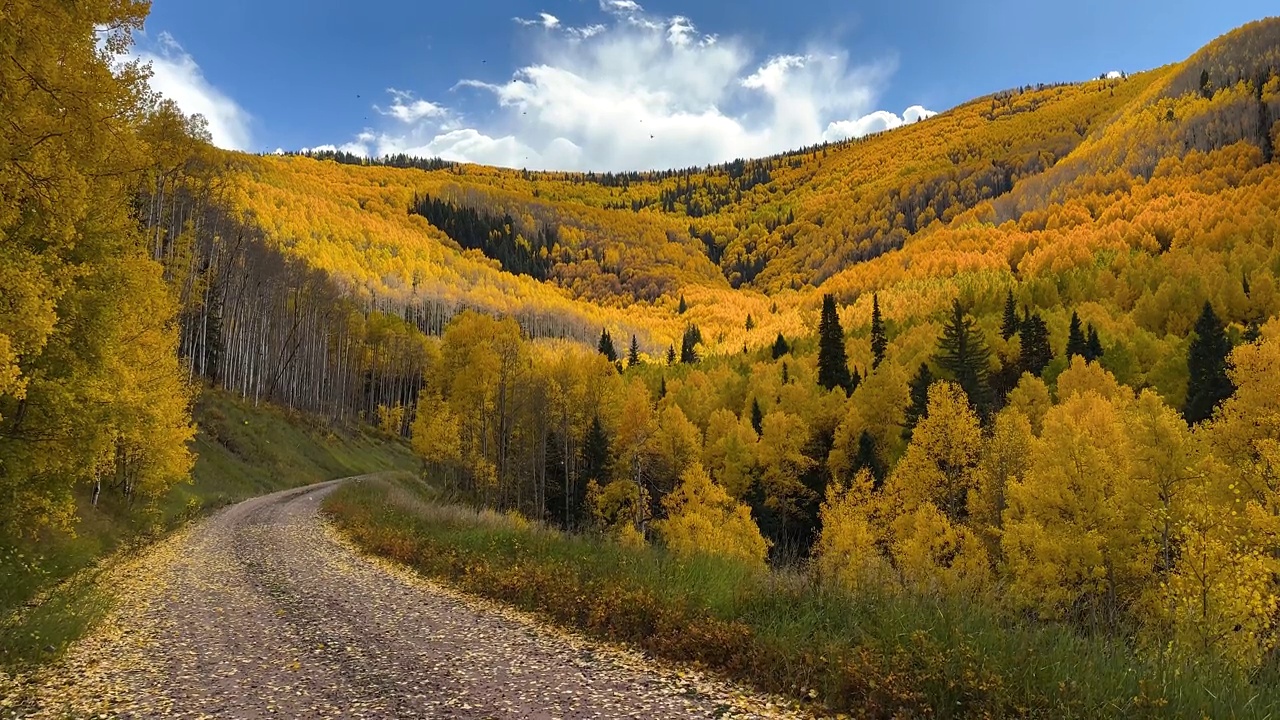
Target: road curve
[263,611]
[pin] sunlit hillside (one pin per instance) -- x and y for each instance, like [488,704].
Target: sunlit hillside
[979,416]
[1132,182]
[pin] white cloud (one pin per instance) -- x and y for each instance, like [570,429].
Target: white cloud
[546,20]
[640,91]
[624,7]
[582,33]
[175,75]
[408,109]
[1114,75]
[874,122]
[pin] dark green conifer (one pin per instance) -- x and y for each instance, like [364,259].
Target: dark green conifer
[919,407]
[833,362]
[964,355]
[1010,325]
[879,339]
[1094,345]
[780,347]
[606,346]
[1035,353]
[1077,343]
[1207,382]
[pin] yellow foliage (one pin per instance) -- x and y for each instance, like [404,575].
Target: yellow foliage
[1031,398]
[1076,532]
[936,555]
[616,507]
[940,465]
[847,553]
[703,519]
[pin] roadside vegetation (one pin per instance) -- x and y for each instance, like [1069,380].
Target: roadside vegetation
[866,652]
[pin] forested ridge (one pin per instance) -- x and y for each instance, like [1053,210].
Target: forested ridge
[1025,351]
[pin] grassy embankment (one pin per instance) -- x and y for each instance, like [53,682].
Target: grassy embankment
[49,595]
[886,655]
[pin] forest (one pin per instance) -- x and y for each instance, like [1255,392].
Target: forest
[1025,352]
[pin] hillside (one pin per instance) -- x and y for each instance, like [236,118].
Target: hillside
[846,217]
[1020,356]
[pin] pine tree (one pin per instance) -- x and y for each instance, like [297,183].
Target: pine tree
[1077,343]
[786,374]
[606,346]
[671,354]
[833,363]
[662,387]
[596,459]
[879,340]
[867,458]
[1207,383]
[1035,353]
[757,416]
[1094,344]
[780,347]
[689,344]
[683,306]
[633,355]
[919,406]
[1011,325]
[964,355]
[751,323]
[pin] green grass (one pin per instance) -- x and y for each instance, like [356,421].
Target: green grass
[49,595]
[873,655]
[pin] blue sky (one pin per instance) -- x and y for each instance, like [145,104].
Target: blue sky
[631,84]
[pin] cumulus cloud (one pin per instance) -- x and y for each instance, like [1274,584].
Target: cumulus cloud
[874,122]
[177,76]
[642,91]
[1114,75]
[408,109]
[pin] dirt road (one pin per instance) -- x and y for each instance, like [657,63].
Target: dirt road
[263,611]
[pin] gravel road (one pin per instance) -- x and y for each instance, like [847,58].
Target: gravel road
[264,611]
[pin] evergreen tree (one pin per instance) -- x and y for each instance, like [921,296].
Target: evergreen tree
[606,346]
[1207,383]
[757,416]
[662,387]
[751,323]
[671,354]
[596,459]
[633,355]
[786,374]
[1010,325]
[1035,353]
[780,347]
[964,355]
[683,306]
[879,340]
[1077,343]
[1094,345]
[833,363]
[689,344]
[855,381]
[867,458]
[919,406]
